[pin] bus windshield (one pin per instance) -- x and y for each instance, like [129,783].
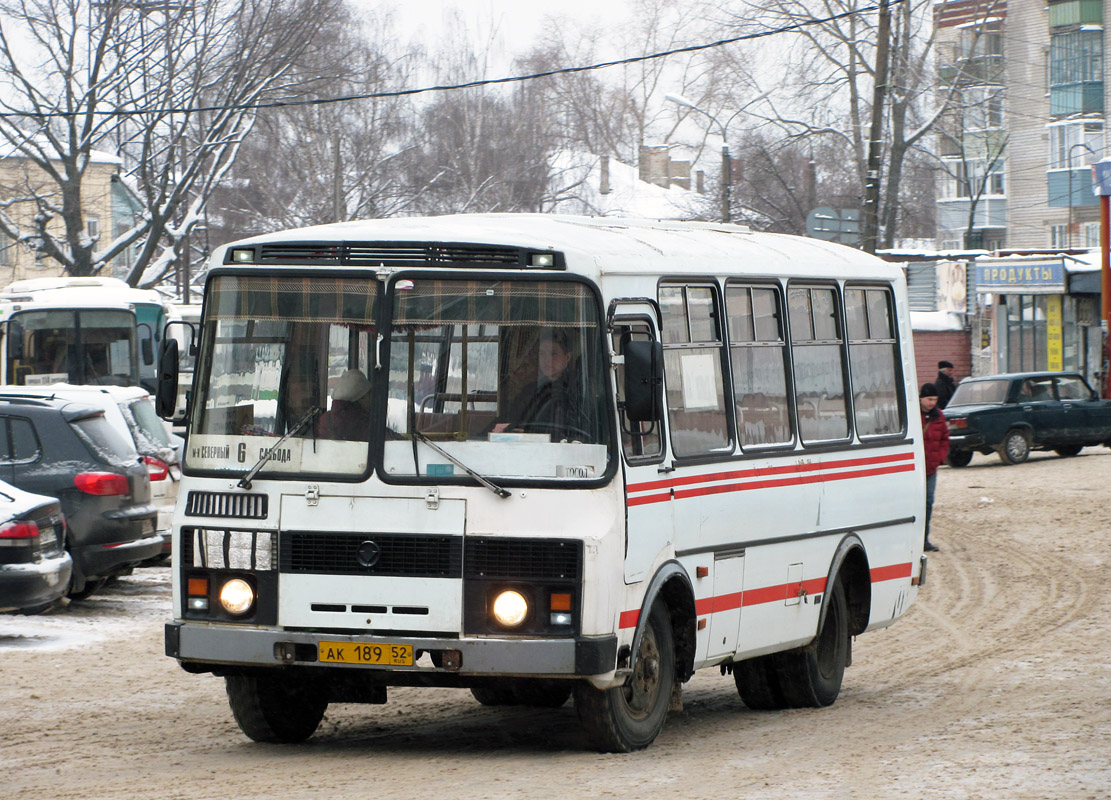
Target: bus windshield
[83,346]
[504,378]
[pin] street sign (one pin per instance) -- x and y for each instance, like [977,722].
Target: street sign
[833,225]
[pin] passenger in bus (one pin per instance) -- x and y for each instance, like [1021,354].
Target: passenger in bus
[349,416]
[556,406]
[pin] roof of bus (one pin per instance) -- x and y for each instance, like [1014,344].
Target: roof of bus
[85,292]
[607,244]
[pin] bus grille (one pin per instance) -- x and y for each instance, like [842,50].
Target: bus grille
[226,504]
[353,554]
[523,559]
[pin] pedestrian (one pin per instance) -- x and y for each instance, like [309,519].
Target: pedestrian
[935,444]
[945,383]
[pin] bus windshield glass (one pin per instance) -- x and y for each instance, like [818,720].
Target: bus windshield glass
[83,346]
[504,378]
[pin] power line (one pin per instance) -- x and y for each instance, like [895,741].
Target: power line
[467,85]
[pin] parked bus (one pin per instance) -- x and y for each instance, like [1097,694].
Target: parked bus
[183,327]
[538,456]
[81,331]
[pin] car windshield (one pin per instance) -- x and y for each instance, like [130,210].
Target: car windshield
[971,393]
[504,377]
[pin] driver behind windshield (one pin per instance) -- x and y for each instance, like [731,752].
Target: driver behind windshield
[554,405]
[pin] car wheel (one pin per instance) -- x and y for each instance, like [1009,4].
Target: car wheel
[91,585]
[959,458]
[1015,447]
[277,709]
[630,717]
[1068,451]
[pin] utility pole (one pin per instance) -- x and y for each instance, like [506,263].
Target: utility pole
[870,234]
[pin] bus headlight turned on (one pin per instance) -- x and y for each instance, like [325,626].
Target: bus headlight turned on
[510,608]
[237,596]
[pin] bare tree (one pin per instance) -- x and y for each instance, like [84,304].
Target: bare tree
[170,86]
[831,71]
[316,163]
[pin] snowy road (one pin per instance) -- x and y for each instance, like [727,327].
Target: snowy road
[996,684]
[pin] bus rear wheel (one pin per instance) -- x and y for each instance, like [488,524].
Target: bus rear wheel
[276,709]
[811,676]
[629,717]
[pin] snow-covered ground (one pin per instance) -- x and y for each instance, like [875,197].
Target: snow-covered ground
[130,604]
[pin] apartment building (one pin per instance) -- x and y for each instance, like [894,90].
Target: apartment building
[110,209]
[1029,78]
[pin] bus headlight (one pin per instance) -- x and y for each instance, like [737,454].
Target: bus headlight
[237,597]
[510,608]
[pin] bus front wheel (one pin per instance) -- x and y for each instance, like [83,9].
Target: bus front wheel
[629,717]
[276,709]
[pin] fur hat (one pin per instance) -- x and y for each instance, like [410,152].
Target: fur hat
[927,390]
[944,364]
[352,386]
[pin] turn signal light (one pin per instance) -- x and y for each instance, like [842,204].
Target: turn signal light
[102,483]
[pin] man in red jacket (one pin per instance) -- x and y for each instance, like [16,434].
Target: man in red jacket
[935,443]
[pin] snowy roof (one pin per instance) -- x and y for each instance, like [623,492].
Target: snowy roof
[604,244]
[628,195]
[1075,262]
[937,321]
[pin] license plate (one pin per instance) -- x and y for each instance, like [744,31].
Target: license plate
[392,655]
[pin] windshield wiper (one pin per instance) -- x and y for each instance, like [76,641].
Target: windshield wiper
[245,481]
[499,491]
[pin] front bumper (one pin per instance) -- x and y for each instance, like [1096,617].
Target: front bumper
[231,645]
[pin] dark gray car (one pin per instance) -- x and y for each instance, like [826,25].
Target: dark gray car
[70,451]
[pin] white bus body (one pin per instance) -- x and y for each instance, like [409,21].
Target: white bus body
[66,338]
[755,510]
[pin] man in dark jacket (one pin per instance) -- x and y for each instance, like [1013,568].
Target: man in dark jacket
[944,383]
[935,444]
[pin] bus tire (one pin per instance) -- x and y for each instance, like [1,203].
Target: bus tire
[541,693]
[811,676]
[494,695]
[758,684]
[276,709]
[629,717]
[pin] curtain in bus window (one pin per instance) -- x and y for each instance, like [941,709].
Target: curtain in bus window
[873,358]
[693,371]
[819,364]
[293,299]
[757,354]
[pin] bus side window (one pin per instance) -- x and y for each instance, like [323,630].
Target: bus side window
[640,441]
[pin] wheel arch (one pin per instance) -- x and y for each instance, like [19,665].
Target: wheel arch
[673,586]
[850,563]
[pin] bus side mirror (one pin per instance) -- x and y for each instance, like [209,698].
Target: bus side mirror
[165,397]
[644,380]
[15,339]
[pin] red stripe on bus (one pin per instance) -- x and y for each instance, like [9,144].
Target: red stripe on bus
[796,480]
[770,594]
[891,573]
[755,472]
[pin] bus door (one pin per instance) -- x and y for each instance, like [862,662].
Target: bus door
[642,443]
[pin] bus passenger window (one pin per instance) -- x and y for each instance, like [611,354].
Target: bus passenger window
[874,358]
[693,375]
[758,353]
[819,363]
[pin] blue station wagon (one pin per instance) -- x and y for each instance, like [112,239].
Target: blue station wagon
[1015,413]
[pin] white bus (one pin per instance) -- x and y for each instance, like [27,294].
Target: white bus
[83,331]
[539,456]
